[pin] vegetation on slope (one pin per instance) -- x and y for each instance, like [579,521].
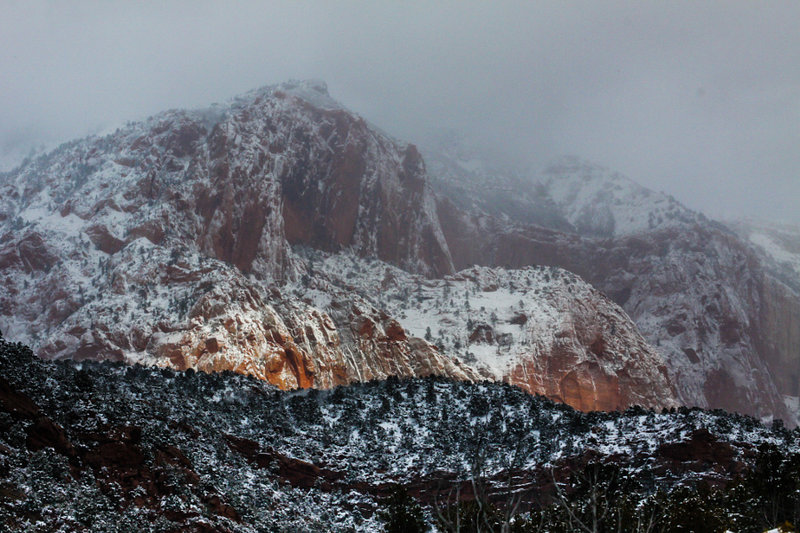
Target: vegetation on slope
[107,447]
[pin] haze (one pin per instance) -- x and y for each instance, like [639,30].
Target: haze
[700,100]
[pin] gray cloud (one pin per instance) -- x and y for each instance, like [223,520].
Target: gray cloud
[701,100]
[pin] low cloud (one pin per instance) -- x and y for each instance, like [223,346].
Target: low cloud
[700,100]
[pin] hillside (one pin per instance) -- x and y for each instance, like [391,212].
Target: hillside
[541,328]
[103,446]
[181,241]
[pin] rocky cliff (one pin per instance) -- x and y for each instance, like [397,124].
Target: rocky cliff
[702,295]
[168,242]
[542,329]
[183,241]
[778,248]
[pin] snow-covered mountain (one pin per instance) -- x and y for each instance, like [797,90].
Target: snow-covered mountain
[169,241]
[601,203]
[569,195]
[183,241]
[702,295]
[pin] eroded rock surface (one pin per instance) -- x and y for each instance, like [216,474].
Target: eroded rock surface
[175,242]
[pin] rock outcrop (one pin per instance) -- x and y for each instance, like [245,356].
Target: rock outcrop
[168,242]
[542,329]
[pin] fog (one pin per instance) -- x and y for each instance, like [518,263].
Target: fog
[700,100]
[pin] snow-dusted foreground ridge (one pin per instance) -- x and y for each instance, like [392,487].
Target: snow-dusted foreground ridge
[108,447]
[174,242]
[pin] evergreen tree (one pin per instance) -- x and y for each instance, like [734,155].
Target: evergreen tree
[401,513]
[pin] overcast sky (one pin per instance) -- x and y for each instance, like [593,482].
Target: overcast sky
[698,99]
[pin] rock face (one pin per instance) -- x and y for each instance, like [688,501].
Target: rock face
[542,329]
[195,312]
[778,248]
[724,321]
[169,242]
[187,240]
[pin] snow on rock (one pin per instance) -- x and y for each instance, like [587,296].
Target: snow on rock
[602,203]
[543,329]
[109,447]
[169,241]
[778,249]
[724,319]
[779,243]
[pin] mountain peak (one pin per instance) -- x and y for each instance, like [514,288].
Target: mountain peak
[313,84]
[312,91]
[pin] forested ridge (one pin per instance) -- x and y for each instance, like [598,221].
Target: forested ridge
[87,446]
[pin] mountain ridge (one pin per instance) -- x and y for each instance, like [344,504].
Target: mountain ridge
[224,196]
[102,446]
[171,242]
[701,295]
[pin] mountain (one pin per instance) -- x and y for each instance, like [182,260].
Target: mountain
[702,295]
[184,241]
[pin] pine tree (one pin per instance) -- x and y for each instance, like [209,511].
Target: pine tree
[401,513]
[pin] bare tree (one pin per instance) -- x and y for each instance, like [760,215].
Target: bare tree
[486,518]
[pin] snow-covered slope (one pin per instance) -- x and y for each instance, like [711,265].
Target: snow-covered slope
[541,328]
[601,203]
[225,179]
[570,195]
[779,243]
[701,295]
[105,447]
[170,242]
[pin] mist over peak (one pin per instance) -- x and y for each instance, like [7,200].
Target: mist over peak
[705,107]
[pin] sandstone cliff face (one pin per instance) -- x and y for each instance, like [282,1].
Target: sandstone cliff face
[778,248]
[184,241]
[700,294]
[239,183]
[542,329]
[167,242]
[201,313]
